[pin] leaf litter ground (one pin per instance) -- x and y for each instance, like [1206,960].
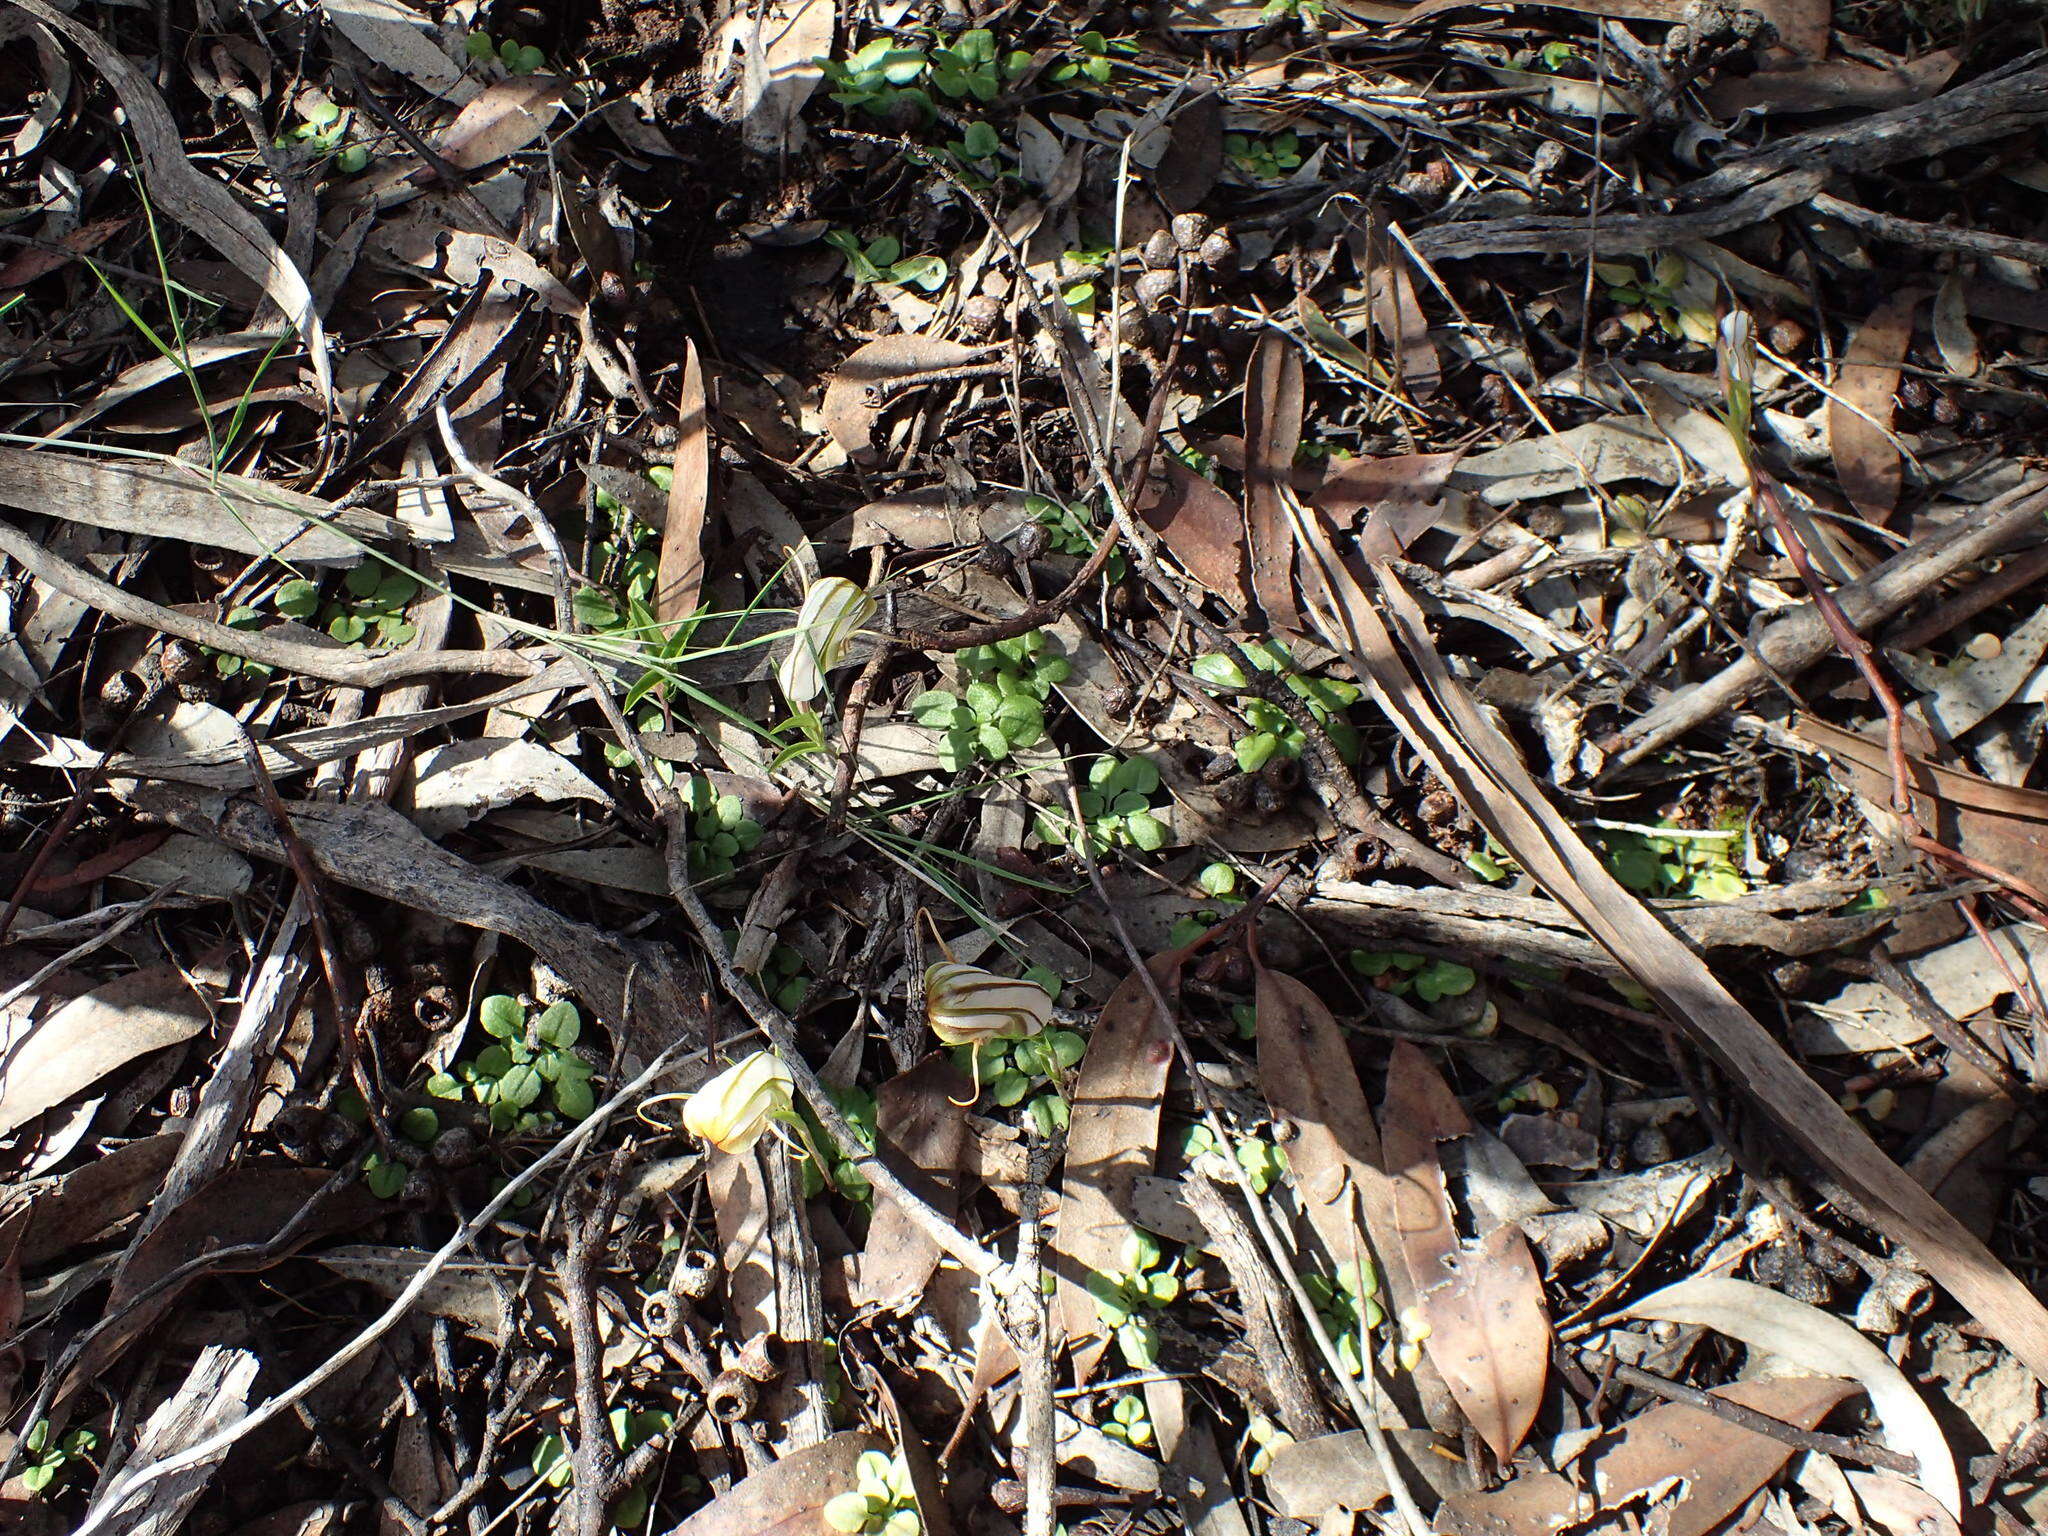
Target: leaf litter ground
[1350,693]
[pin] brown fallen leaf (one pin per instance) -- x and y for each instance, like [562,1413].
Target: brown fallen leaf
[1715,1464]
[1401,497]
[1193,157]
[32,262]
[856,394]
[90,1036]
[1112,1138]
[923,1136]
[1469,753]
[1833,84]
[1272,435]
[1201,526]
[1866,459]
[679,580]
[1397,313]
[1489,1330]
[788,1497]
[93,1197]
[1335,1160]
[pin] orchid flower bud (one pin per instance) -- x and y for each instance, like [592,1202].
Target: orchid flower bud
[735,1107]
[834,609]
[967,1005]
[1735,359]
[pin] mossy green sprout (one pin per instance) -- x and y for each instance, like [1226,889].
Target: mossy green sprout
[882,1501]
[1129,1422]
[881,260]
[1001,708]
[1116,808]
[1125,1298]
[1273,734]
[1400,973]
[1348,1303]
[47,1458]
[530,1073]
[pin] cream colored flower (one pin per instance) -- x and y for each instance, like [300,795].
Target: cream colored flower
[735,1107]
[967,1005]
[834,609]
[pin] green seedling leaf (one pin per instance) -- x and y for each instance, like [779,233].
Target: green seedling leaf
[560,1025]
[419,1125]
[501,1017]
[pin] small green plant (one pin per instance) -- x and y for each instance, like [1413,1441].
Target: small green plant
[1668,294]
[1272,733]
[720,831]
[1349,1307]
[1010,1071]
[783,978]
[324,131]
[1263,1162]
[553,1465]
[1073,531]
[858,1106]
[1129,1422]
[1002,708]
[1267,1438]
[1147,1282]
[978,156]
[1678,862]
[879,75]
[1094,59]
[972,66]
[528,1060]
[1554,55]
[516,57]
[1400,973]
[881,1502]
[45,1459]
[882,260]
[370,606]
[1116,808]
[883,75]
[1292,10]
[1264,159]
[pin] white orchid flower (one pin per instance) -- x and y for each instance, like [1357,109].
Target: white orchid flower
[833,611]
[967,1005]
[735,1107]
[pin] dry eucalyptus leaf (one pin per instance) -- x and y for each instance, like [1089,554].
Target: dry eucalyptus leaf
[1811,1340]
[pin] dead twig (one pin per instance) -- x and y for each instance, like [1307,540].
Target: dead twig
[324,663]
[1802,637]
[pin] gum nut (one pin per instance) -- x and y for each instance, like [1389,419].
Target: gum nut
[1218,250]
[1154,288]
[1161,253]
[1189,230]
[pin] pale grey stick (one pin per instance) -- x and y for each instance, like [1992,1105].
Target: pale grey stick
[1799,639]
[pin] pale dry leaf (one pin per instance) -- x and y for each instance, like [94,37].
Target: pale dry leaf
[1896,1506]
[1489,1329]
[1112,1138]
[788,1497]
[1866,457]
[1273,405]
[91,1035]
[1953,337]
[922,1135]
[679,578]
[458,781]
[853,402]
[403,41]
[1812,1340]
[774,49]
